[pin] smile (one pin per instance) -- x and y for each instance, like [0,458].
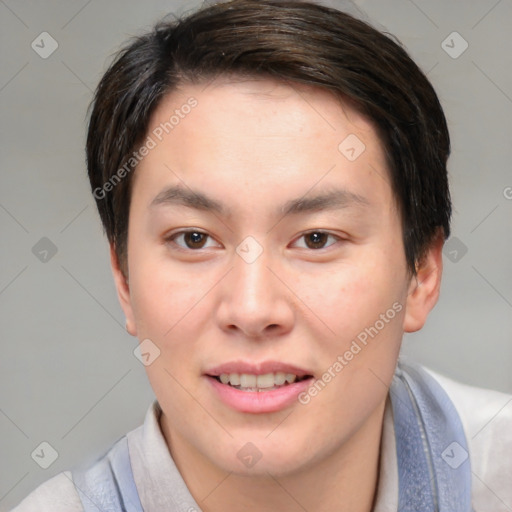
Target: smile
[258,383]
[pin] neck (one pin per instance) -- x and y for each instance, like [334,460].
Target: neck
[345,480]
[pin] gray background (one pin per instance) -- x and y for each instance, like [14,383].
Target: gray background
[67,369]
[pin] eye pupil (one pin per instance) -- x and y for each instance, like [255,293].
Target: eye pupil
[195,238]
[316,238]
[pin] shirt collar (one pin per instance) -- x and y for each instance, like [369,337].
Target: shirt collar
[161,486]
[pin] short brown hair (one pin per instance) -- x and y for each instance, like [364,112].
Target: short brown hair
[290,41]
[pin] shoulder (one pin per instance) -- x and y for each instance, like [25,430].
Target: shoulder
[486,417]
[58,494]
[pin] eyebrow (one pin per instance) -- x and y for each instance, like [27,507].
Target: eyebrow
[334,199]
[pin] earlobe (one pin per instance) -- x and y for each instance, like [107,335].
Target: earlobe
[123,291]
[424,287]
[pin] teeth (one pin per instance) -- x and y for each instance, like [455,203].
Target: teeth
[268,380]
[279,378]
[265,381]
[247,380]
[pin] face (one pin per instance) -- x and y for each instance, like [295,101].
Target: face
[264,244]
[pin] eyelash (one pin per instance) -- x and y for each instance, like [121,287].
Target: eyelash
[174,236]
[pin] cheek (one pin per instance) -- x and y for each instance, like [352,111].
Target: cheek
[168,306]
[162,295]
[349,298]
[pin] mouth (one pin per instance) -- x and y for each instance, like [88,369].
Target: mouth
[259,383]
[263,387]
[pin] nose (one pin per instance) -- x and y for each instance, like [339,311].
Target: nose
[256,301]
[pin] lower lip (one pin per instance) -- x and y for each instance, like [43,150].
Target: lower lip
[259,401]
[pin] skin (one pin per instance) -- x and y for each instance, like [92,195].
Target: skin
[253,145]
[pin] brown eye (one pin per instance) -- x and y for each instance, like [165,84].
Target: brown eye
[192,239]
[317,239]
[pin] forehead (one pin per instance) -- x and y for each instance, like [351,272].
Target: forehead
[255,134]
[237,96]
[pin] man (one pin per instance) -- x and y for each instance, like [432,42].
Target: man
[271,176]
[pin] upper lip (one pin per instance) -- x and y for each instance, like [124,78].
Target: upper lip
[260,368]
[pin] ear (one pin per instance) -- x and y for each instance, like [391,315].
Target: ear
[425,286]
[123,291]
